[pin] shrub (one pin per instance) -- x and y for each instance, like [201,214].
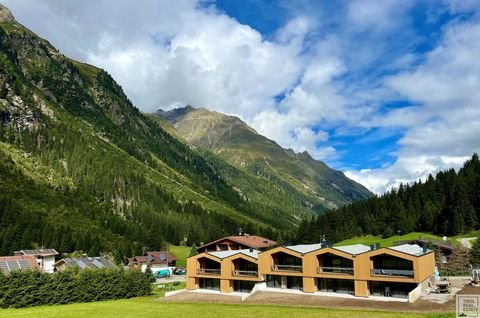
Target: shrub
[32,288]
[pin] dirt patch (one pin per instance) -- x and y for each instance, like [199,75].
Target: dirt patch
[272,298]
[334,302]
[187,296]
[467,242]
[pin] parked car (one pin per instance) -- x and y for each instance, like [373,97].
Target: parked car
[162,273]
[180,271]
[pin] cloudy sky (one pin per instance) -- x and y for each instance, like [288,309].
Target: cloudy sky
[386,91]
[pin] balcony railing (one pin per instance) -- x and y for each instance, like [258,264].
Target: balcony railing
[392,272]
[287,268]
[245,273]
[335,270]
[208,271]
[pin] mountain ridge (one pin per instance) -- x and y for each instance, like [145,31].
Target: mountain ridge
[240,145]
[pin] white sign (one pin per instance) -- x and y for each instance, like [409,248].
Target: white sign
[467,306]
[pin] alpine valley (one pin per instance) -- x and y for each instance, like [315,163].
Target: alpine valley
[82,169]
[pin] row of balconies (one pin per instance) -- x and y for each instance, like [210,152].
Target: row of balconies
[299,269]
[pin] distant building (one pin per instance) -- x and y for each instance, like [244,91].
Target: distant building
[443,248]
[45,258]
[19,262]
[237,242]
[83,263]
[154,260]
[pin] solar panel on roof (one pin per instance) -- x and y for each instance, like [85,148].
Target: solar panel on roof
[162,257]
[81,264]
[23,264]
[98,264]
[4,267]
[13,265]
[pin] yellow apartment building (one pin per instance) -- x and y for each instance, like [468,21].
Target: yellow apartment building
[364,271]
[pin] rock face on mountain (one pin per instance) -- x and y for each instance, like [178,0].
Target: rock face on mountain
[5,14]
[240,145]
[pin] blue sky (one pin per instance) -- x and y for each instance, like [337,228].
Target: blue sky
[386,91]
[420,33]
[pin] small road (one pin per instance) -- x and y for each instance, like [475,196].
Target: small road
[467,241]
[171,279]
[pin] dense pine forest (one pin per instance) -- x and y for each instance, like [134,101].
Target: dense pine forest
[447,204]
[82,169]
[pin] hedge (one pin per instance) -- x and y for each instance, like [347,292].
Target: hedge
[33,288]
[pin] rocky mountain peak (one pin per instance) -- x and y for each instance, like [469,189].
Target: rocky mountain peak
[174,114]
[5,14]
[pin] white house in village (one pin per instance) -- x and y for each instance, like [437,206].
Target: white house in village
[45,258]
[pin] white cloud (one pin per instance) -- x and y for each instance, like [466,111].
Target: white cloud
[444,131]
[166,53]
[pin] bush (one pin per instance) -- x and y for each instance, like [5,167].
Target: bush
[32,288]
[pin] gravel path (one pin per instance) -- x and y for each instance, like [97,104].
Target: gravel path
[467,241]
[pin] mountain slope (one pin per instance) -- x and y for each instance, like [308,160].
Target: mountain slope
[82,169]
[243,147]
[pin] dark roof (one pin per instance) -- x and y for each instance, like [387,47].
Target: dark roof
[19,262]
[86,262]
[154,258]
[38,252]
[250,241]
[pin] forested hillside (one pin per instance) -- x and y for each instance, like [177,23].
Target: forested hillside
[447,204]
[82,169]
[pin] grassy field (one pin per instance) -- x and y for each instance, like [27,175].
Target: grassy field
[148,307]
[370,239]
[181,252]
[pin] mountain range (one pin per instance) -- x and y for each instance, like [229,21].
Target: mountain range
[81,168]
[240,145]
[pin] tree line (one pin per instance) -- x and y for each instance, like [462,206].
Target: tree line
[447,204]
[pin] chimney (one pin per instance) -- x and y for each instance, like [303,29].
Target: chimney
[424,247]
[372,247]
[251,250]
[377,246]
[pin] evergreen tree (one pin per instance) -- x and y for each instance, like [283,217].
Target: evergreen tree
[475,253]
[193,251]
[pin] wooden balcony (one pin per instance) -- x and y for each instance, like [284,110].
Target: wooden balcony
[392,272]
[208,271]
[335,270]
[287,268]
[244,273]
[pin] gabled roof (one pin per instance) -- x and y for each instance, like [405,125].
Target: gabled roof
[304,248]
[349,249]
[224,254]
[435,243]
[411,249]
[38,252]
[19,262]
[86,262]
[154,258]
[353,249]
[163,255]
[252,241]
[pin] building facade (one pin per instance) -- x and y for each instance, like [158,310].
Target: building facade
[45,258]
[358,270]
